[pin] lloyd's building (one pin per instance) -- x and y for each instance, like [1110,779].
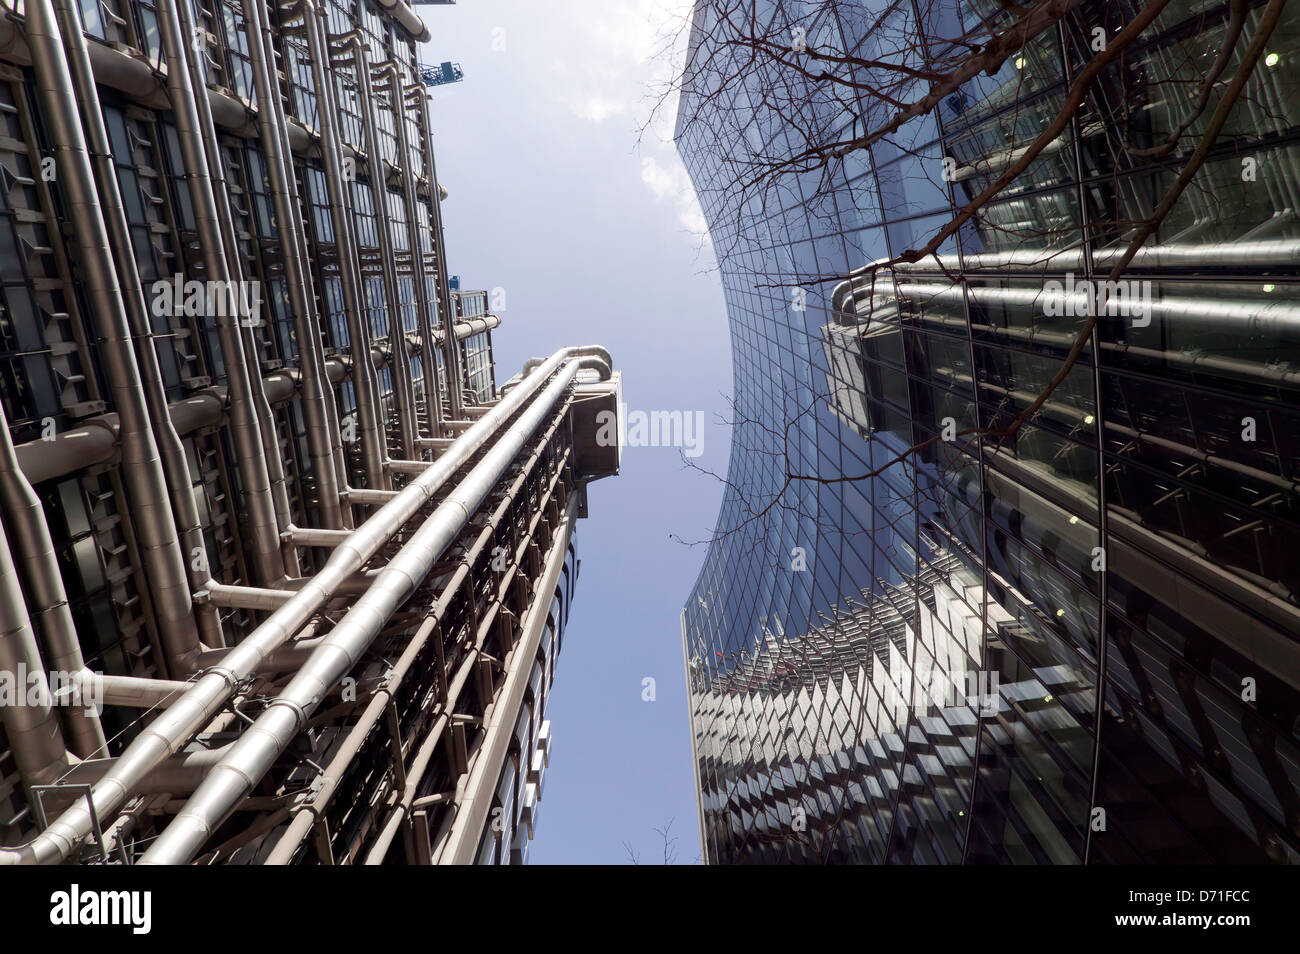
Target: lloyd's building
[913,641]
[284,571]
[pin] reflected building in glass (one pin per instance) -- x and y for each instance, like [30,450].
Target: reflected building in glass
[916,638]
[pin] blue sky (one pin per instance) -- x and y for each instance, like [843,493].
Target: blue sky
[596,241]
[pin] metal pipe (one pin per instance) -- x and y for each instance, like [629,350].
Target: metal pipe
[174,465]
[307,537]
[230,241]
[31,727]
[472,810]
[403,14]
[424,311]
[404,389]
[134,691]
[147,491]
[1258,253]
[306,816]
[179,774]
[359,495]
[1266,317]
[211,691]
[34,549]
[374,447]
[323,442]
[92,441]
[450,349]
[472,326]
[262,540]
[420,764]
[257,749]
[242,597]
[284,659]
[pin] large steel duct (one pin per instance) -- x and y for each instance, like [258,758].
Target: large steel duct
[1049,263]
[257,749]
[146,486]
[32,727]
[175,469]
[407,17]
[215,687]
[1266,317]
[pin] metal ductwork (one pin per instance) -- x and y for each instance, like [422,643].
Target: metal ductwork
[252,756]
[213,689]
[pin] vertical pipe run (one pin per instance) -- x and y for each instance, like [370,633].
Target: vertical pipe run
[371,433]
[221,191]
[461,839]
[323,439]
[146,486]
[32,729]
[30,535]
[263,523]
[400,360]
[450,346]
[432,399]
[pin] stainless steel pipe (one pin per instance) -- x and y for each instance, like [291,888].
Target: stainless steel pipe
[32,728]
[403,385]
[250,454]
[214,688]
[424,310]
[323,438]
[147,491]
[257,749]
[374,446]
[34,548]
[462,837]
[450,348]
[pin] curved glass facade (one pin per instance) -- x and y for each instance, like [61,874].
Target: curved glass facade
[1077,644]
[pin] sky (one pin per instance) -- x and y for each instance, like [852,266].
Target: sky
[590,236]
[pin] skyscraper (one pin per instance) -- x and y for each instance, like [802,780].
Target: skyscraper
[971,599]
[284,572]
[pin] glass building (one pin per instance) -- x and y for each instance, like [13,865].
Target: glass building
[284,570]
[918,639]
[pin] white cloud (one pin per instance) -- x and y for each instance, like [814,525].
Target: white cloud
[624,56]
[597,109]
